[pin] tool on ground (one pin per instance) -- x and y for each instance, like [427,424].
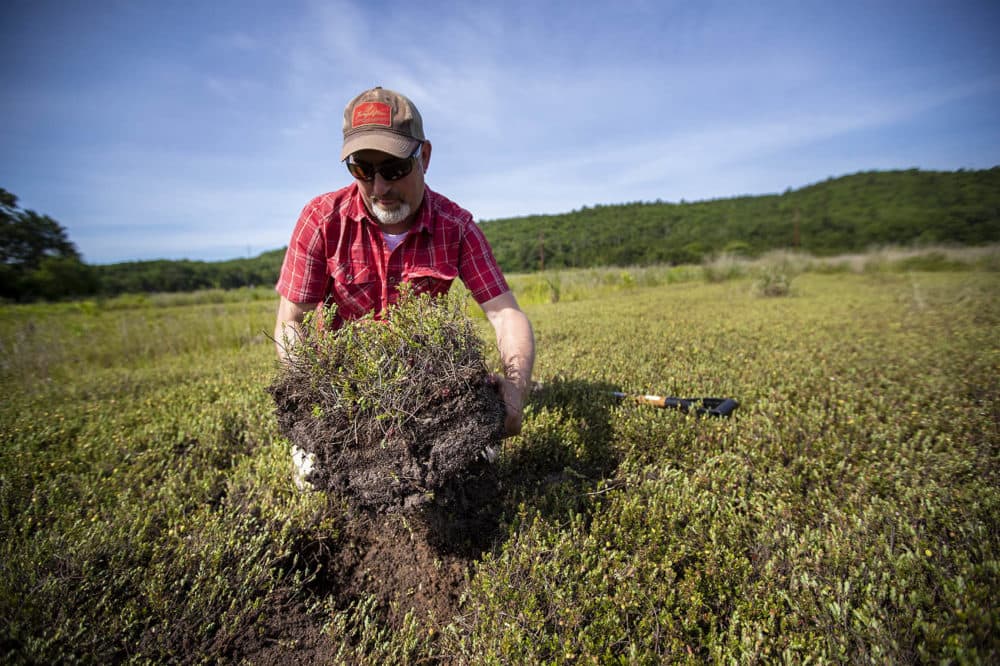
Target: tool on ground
[700,406]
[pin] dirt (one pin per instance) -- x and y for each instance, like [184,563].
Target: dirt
[404,471]
[401,465]
[415,561]
[285,634]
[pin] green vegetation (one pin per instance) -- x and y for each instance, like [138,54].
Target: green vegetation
[849,511]
[849,214]
[172,276]
[37,257]
[780,266]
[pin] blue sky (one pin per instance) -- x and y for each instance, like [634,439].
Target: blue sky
[200,129]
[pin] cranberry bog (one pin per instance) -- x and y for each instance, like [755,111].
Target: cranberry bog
[849,510]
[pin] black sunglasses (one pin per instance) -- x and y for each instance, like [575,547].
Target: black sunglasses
[389,170]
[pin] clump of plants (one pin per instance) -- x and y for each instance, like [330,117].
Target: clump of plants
[774,275]
[393,409]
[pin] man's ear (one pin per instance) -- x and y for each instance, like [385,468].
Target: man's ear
[425,154]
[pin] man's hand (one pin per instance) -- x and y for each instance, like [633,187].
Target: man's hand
[513,399]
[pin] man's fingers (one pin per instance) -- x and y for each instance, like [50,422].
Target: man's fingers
[513,402]
[512,424]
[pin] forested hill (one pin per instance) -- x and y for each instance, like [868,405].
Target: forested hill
[846,214]
[185,275]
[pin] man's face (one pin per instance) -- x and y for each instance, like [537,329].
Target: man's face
[388,200]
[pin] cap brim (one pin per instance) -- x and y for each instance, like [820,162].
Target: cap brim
[393,144]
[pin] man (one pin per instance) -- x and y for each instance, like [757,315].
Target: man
[353,247]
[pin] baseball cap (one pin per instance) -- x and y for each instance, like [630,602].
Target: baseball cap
[380,119]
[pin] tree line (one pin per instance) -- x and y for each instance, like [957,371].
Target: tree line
[186,275]
[37,259]
[39,262]
[847,214]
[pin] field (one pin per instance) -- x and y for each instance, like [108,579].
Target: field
[848,511]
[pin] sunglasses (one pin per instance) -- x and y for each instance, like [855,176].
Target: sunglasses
[389,170]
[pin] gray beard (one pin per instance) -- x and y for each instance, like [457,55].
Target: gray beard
[391,216]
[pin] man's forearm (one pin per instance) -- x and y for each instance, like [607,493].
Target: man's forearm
[515,339]
[516,344]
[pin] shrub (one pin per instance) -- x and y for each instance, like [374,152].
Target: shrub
[774,274]
[737,247]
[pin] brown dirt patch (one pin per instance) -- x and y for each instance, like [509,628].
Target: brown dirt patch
[285,634]
[417,560]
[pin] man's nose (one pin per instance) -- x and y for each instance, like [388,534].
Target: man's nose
[380,185]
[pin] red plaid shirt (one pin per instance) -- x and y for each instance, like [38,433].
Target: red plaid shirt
[337,254]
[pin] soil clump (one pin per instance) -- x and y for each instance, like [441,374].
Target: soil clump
[392,410]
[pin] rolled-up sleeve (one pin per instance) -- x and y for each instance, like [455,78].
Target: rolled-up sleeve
[304,275]
[478,267]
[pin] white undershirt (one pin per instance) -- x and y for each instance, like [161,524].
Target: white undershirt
[392,241]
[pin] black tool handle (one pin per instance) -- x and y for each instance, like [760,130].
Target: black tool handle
[721,407]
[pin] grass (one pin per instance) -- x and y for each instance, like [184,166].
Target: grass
[847,512]
[843,515]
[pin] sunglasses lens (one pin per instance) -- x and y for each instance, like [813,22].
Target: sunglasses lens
[396,169]
[391,170]
[361,170]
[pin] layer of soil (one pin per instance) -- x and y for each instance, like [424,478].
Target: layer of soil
[286,635]
[402,467]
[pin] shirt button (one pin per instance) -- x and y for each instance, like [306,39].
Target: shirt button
[393,280]
[348,278]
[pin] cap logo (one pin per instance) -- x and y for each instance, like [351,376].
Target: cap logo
[371,113]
